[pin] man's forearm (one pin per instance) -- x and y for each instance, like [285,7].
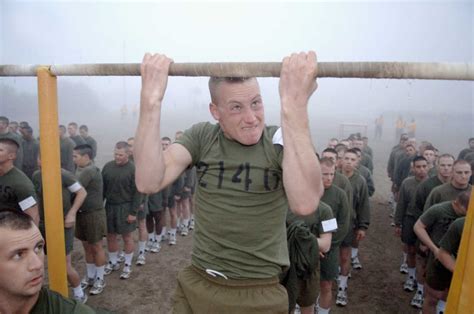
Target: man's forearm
[148,153]
[424,236]
[78,200]
[301,170]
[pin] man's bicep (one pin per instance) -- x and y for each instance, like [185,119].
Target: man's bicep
[177,158]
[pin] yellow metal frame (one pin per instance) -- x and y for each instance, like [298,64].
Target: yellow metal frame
[461,292]
[51,177]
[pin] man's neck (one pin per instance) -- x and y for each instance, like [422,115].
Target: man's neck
[419,179]
[443,179]
[5,168]
[459,186]
[15,304]
[348,173]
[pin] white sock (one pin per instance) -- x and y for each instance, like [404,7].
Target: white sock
[78,292]
[90,270]
[354,252]
[323,311]
[440,307]
[128,259]
[412,272]
[100,272]
[141,246]
[192,216]
[343,281]
[158,238]
[163,231]
[113,257]
[151,237]
[404,257]
[186,222]
[420,288]
[173,231]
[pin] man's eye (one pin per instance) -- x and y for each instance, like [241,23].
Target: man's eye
[236,108]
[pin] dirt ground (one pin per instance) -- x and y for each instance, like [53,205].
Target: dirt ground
[377,288]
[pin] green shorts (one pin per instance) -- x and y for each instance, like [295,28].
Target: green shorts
[330,264]
[408,235]
[308,289]
[349,238]
[117,215]
[200,293]
[68,239]
[91,226]
[437,277]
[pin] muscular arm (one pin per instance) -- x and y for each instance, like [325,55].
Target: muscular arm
[446,259]
[301,170]
[324,242]
[70,218]
[155,169]
[420,230]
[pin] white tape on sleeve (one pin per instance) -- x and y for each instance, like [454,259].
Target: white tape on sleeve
[27,203]
[329,225]
[73,188]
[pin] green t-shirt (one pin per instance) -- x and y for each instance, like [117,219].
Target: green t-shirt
[343,183]
[158,201]
[92,143]
[367,162]
[30,156]
[78,140]
[16,191]
[69,185]
[396,152]
[443,193]
[240,203]
[368,179]
[360,201]
[66,147]
[433,172]
[119,185]
[51,302]
[437,220]
[368,150]
[91,179]
[335,198]
[452,239]
[423,191]
[321,221]
[406,200]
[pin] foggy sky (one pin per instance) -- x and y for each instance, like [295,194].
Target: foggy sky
[88,32]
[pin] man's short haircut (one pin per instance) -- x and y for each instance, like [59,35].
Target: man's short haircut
[62,127]
[330,150]
[340,147]
[15,220]
[357,150]
[446,156]
[409,145]
[404,137]
[4,120]
[14,122]
[471,139]
[365,138]
[430,147]
[166,138]
[122,145]
[463,198]
[215,81]
[13,144]
[84,149]
[352,150]
[84,127]
[327,162]
[24,124]
[28,129]
[130,139]
[334,139]
[461,162]
[418,158]
[74,124]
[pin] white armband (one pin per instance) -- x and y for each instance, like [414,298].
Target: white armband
[27,203]
[329,225]
[278,137]
[73,188]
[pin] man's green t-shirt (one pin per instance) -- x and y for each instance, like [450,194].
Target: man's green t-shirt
[51,302]
[437,220]
[241,204]
[452,239]
[16,191]
[406,200]
[342,182]
[335,198]
[91,179]
[443,193]
[360,201]
[69,185]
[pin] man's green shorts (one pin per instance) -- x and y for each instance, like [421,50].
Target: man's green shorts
[437,277]
[91,226]
[200,293]
[117,215]
[330,264]
[348,239]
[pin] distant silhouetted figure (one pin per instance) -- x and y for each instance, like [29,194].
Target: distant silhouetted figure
[378,127]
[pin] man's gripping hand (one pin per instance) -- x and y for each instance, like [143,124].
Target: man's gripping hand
[154,71]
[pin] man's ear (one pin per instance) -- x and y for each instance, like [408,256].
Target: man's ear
[214,111]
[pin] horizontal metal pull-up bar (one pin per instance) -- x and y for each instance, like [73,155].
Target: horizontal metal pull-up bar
[374,70]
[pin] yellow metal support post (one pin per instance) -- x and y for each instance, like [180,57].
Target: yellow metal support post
[461,292]
[51,176]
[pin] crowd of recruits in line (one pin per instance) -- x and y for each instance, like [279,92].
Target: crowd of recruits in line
[84,191]
[430,198]
[344,156]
